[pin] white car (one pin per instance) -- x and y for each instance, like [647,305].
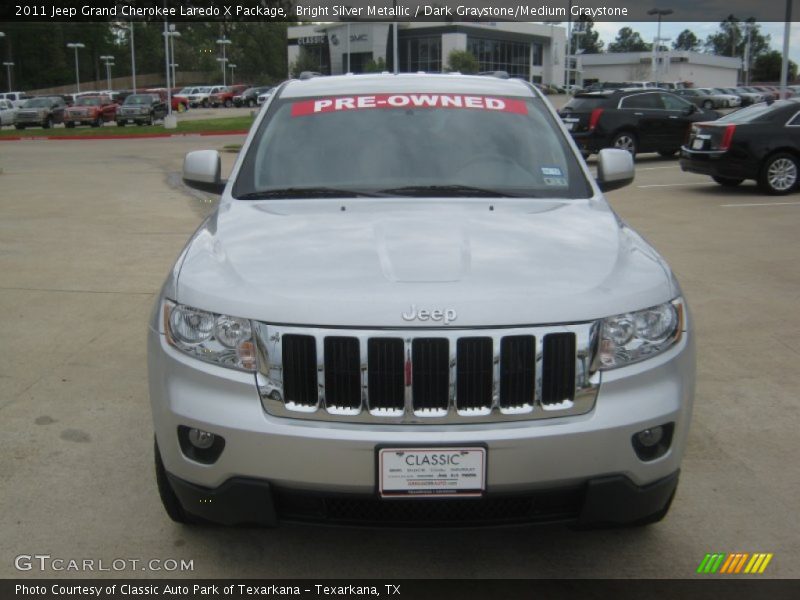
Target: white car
[7,112]
[434,313]
[731,100]
[264,96]
[201,96]
[17,99]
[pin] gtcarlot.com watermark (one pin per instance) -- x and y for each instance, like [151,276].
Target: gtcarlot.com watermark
[46,562]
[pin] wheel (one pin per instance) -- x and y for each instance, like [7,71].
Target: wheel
[779,174]
[625,140]
[708,104]
[727,181]
[228,103]
[169,500]
[667,153]
[69,124]
[205,103]
[97,122]
[19,126]
[48,123]
[120,123]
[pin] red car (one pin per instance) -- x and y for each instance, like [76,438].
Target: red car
[91,110]
[225,96]
[179,103]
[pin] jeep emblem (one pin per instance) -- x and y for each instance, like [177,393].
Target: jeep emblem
[447,315]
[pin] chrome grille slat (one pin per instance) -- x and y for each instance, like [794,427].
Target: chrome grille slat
[416,376]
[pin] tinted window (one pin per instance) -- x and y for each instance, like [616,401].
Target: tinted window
[585,103]
[673,102]
[644,101]
[761,112]
[404,140]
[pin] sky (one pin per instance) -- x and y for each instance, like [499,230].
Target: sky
[608,32]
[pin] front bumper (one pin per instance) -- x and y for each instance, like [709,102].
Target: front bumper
[611,500]
[328,457]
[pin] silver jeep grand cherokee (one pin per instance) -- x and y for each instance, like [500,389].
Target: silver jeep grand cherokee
[413,305]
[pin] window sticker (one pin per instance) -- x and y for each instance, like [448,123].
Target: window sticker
[551,171]
[366,102]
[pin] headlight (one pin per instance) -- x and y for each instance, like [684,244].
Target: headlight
[631,337]
[214,338]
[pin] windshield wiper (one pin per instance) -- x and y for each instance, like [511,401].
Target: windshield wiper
[447,190]
[309,192]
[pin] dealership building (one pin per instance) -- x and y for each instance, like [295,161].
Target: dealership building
[532,51]
[702,70]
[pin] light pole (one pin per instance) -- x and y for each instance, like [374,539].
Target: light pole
[572,60]
[172,35]
[787,31]
[107,58]
[232,67]
[8,66]
[223,41]
[661,12]
[133,59]
[76,46]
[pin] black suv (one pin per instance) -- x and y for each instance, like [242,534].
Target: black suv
[635,120]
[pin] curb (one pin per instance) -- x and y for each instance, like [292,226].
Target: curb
[121,136]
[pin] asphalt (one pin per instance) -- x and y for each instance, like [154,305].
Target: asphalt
[88,231]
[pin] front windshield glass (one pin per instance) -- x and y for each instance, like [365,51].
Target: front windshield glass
[415,142]
[88,102]
[139,99]
[756,112]
[38,103]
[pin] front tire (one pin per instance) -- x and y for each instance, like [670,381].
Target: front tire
[120,123]
[18,126]
[779,174]
[727,181]
[48,124]
[625,140]
[708,105]
[228,103]
[69,124]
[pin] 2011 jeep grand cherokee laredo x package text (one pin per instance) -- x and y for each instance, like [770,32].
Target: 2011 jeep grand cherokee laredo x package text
[413,305]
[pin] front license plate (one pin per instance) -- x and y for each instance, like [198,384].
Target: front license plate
[429,472]
[698,144]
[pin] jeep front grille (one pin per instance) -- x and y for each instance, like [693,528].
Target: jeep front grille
[426,376]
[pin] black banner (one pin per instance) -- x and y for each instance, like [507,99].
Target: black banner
[389,10]
[407,589]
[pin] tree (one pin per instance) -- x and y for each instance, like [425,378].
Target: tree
[463,61]
[686,40]
[767,67]
[375,66]
[305,62]
[731,39]
[629,40]
[590,41]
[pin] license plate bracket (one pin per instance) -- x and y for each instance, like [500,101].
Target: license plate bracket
[431,472]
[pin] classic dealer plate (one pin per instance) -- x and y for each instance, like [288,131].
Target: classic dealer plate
[439,472]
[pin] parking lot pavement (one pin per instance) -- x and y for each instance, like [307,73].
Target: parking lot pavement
[87,232]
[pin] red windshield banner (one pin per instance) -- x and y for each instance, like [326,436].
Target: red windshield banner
[363,102]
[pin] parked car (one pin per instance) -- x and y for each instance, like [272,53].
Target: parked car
[224,97]
[769,92]
[703,99]
[760,142]
[44,111]
[7,112]
[179,102]
[641,85]
[637,121]
[249,97]
[732,100]
[17,99]
[91,110]
[141,109]
[671,85]
[475,325]
[202,96]
[748,98]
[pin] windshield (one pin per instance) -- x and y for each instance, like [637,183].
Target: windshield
[585,103]
[38,102]
[139,99]
[88,102]
[186,91]
[412,144]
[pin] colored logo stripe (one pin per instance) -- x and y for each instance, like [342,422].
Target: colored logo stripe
[735,563]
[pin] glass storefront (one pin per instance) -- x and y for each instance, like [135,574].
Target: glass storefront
[504,55]
[420,54]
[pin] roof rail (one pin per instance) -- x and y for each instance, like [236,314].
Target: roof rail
[308,75]
[498,74]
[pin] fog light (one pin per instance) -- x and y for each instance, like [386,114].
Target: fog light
[199,445]
[653,442]
[647,438]
[203,439]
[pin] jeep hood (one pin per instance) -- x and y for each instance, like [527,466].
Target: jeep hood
[364,262]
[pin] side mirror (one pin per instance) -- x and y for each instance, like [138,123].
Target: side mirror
[614,169]
[202,171]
